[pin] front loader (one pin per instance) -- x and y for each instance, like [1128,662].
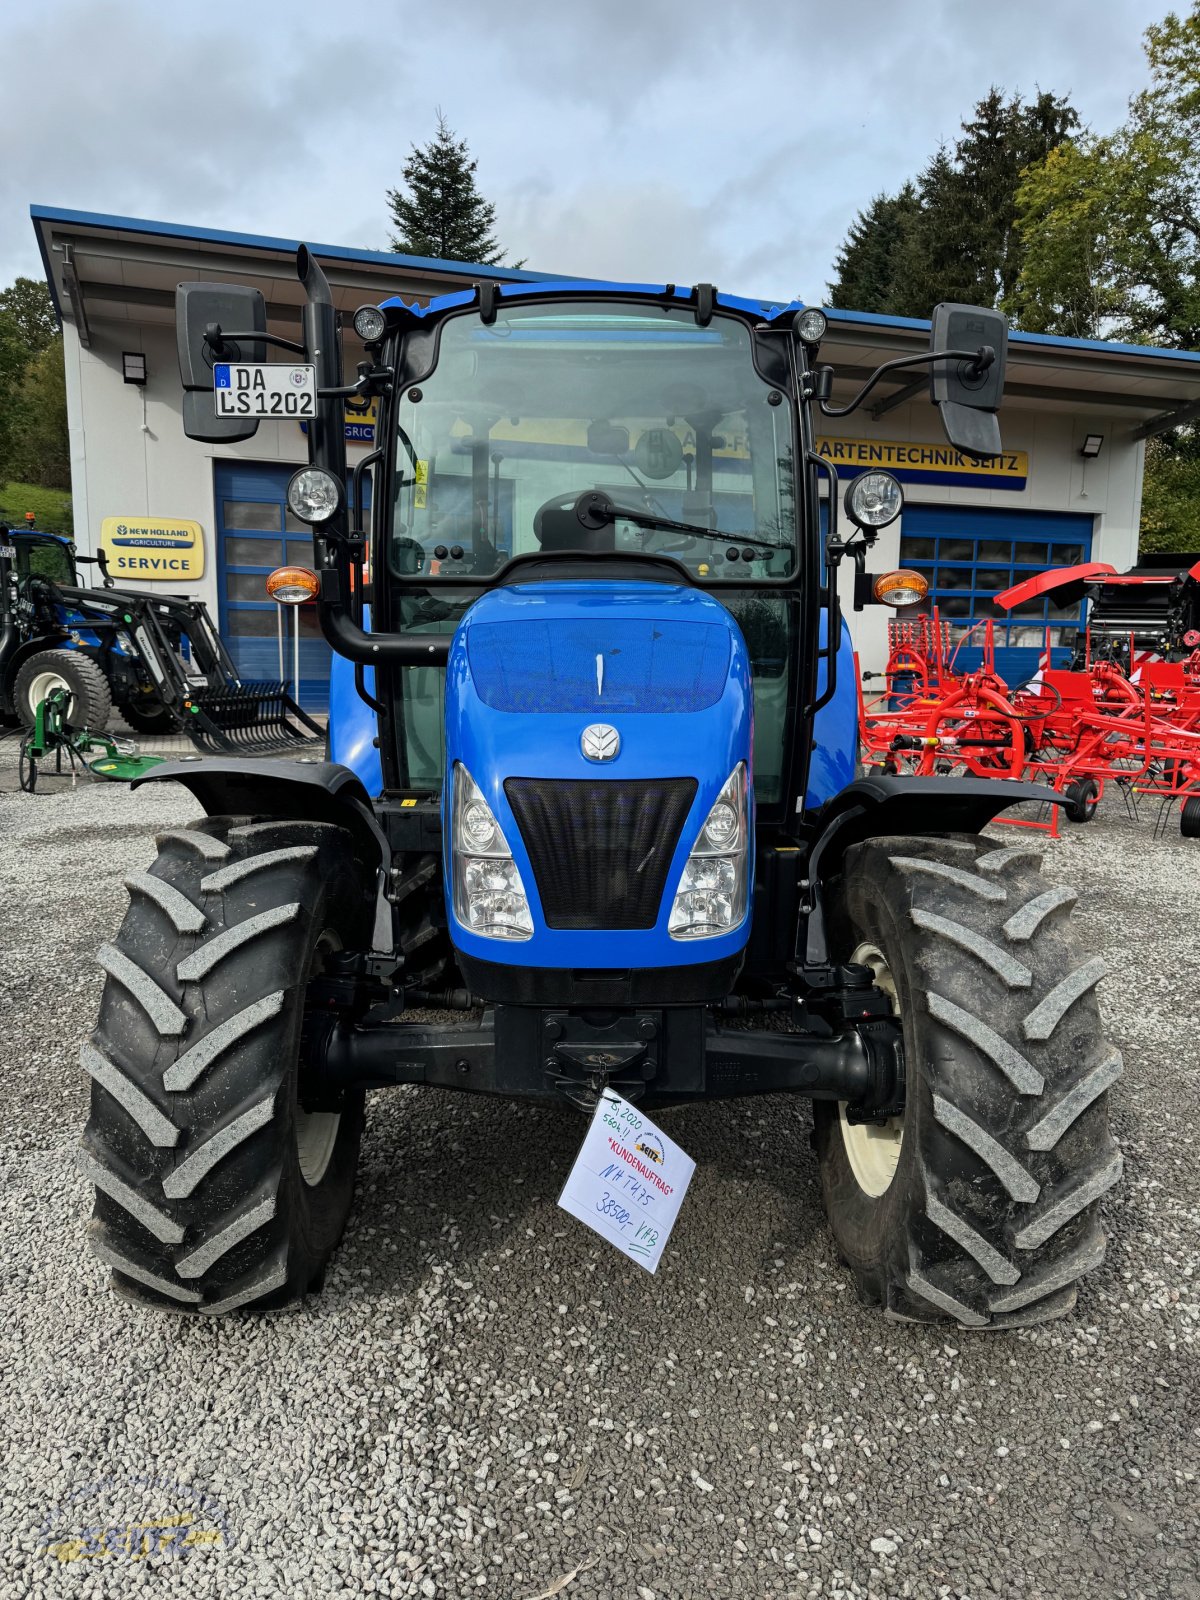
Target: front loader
[157,658]
[591,790]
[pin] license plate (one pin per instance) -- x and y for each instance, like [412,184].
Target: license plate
[245,389]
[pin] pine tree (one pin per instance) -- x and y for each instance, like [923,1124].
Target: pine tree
[953,235]
[866,264]
[442,214]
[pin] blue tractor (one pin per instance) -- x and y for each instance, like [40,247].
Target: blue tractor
[591,801]
[156,657]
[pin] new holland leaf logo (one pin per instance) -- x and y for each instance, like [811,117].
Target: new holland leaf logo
[599,742]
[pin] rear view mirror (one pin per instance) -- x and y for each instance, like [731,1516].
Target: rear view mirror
[658,453]
[607,438]
[199,306]
[967,394]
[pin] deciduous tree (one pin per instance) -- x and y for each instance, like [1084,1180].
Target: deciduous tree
[1111,223]
[27,309]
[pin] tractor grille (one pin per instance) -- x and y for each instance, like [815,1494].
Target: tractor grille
[600,850]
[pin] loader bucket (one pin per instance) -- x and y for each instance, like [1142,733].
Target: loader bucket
[249,719]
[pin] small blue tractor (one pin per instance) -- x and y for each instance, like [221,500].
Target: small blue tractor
[156,657]
[591,792]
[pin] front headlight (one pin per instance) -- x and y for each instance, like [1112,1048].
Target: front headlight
[714,885]
[874,500]
[315,495]
[489,897]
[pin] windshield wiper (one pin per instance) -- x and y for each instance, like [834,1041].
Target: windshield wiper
[594,509]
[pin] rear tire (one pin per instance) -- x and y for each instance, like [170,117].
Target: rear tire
[150,717]
[215,1189]
[990,1217]
[90,705]
[1189,817]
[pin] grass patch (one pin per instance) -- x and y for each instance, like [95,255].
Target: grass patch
[51,507]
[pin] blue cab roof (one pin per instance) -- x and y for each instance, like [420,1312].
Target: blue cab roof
[658,292]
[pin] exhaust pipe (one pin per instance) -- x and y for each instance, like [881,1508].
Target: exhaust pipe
[327,449]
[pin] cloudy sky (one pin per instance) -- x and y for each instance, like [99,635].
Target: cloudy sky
[622,138]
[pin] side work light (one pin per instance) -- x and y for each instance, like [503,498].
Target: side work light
[900,588]
[292,586]
[811,325]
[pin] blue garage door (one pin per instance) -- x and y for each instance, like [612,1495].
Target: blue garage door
[970,553]
[255,534]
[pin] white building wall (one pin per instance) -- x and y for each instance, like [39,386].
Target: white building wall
[130,456]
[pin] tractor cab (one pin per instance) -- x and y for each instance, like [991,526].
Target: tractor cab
[35,555]
[600,514]
[603,618]
[34,568]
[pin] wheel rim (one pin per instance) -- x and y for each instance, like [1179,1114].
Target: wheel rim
[44,683]
[316,1135]
[317,1131]
[873,1152]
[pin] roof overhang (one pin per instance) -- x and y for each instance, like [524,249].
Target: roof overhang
[107,272]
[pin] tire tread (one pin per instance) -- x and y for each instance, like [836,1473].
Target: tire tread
[1000,1190]
[200,1202]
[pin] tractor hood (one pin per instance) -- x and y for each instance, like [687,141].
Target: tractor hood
[600,722]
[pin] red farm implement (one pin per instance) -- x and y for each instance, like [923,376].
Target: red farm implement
[1128,717]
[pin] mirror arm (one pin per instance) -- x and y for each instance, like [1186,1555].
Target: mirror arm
[980,360]
[371,380]
[215,337]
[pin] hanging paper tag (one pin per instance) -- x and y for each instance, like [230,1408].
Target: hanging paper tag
[628,1181]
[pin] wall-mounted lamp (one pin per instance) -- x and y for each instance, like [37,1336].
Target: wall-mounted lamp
[1092,445]
[133,366]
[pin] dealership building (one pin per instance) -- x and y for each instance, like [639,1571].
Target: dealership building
[211,520]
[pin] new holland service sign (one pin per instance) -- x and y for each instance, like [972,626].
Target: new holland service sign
[153,548]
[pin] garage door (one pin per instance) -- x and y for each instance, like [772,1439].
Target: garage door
[255,534]
[970,553]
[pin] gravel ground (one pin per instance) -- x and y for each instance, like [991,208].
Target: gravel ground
[486,1397]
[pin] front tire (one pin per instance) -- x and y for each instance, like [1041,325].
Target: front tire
[90,705]
[990,1215]
[216,1190]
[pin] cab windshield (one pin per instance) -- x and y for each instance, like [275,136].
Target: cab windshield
[522,416]
[39,557]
